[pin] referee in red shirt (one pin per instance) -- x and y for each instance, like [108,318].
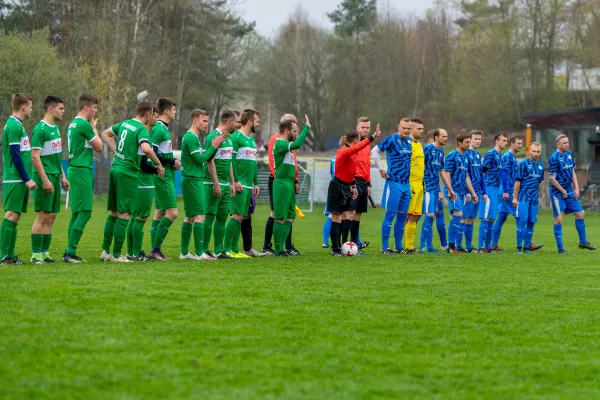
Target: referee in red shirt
[342,189]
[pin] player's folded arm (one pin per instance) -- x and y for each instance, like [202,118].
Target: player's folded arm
[15,153]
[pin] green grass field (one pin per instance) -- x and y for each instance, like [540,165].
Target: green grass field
[316,327]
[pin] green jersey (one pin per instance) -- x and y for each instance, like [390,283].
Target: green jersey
[193,156]
[15,134]
[222,159]
[283,157]
[79,136]
[244,148]
[130,136]
[46,137]
[162,144]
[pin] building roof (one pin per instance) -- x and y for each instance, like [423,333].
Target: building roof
[558,119]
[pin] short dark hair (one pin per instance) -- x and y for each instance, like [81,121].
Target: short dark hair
[165,103]
[351,135]
[286,125]
[257,113]
[197,113]
[154,109]
[462,136]
[416,121]
[86,100]
[247,116]
[498,136]
[237,113]
[143,107]
[436,133]
[515,138]
[52,101]
[475,132]
[227,116]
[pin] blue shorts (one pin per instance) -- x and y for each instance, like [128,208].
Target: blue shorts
[456,205]
[489,209]
[505,206]
[526,210]
[396,196]
[470,209]
[432,203]
[564,206]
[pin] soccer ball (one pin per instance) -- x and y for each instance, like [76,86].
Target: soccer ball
[349,249]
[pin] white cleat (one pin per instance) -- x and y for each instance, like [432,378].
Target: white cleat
[444,248]
[206,257]
[105,256]
[254,253]
[188,256]
[121,259]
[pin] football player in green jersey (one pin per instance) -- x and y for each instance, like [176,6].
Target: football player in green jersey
[16,170]
[238,120]
[83,140]
[284,192]
[245,172]
[218,176]
[127,140]
[193,159]
[166,202]
[49,176]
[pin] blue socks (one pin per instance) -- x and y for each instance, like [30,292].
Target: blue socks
[453,229]
[386,229]
[427,233]
[484,226]
[580,226]
[326,229]
[497,230]
[528,235]
[399,229]
[521,232]
[440,223]
[488,236]
[469,236]
[558,236]
[459,235]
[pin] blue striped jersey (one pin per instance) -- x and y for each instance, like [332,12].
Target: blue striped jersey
[509,165]
[530,173]
[457,165]
[399,154]
[475,170]
[492,167]
[434,162]
[332,168]
[561,167]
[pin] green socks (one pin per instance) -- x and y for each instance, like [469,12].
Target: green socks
[232,230]
[208,227]
[37,241]
[6,236]
[76,230]
[161,232]
[153,228]
[199,238]
[219,233]
[109,231]
[46,243]
[130,236]
[120,234]
[138,236]
[186,236]
[235,246]
[281,232]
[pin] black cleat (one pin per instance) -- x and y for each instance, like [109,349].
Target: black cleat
[473,251]
[325,246]
[16,261]
[535,247]
[49,260]
[364,245]
[224,256]
[563,251]
[401,251]
[387,251]
[337,253]
[269,251]
[73,259]
[461,250]
[294,252]
[587,245]
[282,254]
[6,261]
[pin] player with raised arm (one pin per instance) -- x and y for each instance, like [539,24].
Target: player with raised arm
[396,191]
[564,191]
[83,140]
[471,210]
[492,169]
[327,213]
[343,189]
[48,175]
[434,170]
[219,178]
[193,161]
[508,176]
[16,169]
[246,182]
[127,140]
[530,173]
[457,167]
[284,191]
[417,173]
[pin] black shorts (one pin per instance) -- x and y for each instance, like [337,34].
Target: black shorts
[339,196]
[271,179]
[361,203]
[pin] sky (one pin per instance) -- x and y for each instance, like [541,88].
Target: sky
[270,14]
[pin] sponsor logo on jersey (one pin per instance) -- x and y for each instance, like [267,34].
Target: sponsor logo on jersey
[53,146]
[166,147]
[224,153]
[25,145]
[246,153]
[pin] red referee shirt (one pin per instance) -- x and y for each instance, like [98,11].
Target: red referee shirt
[363,163]
[345,160]
[272,161]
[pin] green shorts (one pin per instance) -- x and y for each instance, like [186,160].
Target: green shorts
[142,204]
[48,202]
[165,193]
[194,201]
[240,204]
[284,199]
[81,194]
[122,188]
[217,205]
[16,196]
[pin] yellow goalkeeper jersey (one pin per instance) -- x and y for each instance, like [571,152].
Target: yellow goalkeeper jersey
[417,164]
